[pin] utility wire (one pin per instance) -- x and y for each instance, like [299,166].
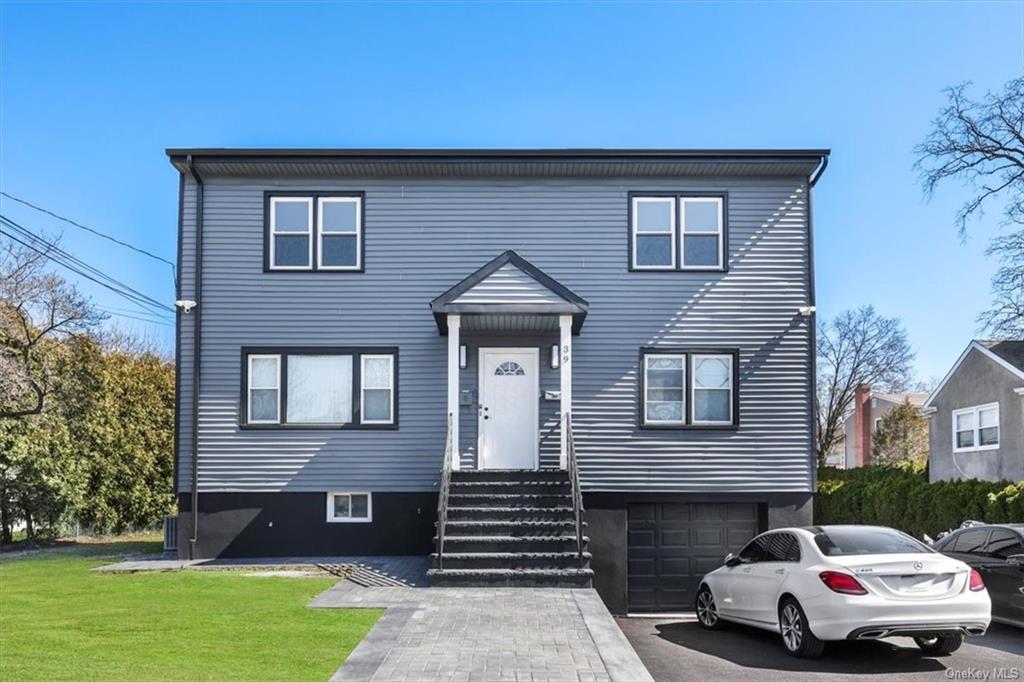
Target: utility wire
[174,269]
[80,267]
[78,264]
[133,317]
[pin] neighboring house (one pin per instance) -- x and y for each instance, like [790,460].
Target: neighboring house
[860,426]
[976,415]
[356,309]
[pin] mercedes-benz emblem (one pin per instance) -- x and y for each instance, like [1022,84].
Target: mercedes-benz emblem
[918,565]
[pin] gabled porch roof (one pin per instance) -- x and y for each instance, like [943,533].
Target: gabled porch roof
[510,287]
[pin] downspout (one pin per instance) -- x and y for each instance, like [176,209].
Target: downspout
[811,182]
[197,335]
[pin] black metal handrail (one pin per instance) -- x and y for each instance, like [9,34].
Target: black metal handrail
[574,480]
[442,497]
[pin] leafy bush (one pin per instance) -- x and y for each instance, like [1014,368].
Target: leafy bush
[902,497]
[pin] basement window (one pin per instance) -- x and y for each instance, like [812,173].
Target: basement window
[349,507]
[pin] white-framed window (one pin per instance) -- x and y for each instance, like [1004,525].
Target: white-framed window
[347,507]
[320,387]
[654,233]
[377,393]
[701,223]
[688,388]
[339,245]
[976,428]
[712,389]
[264,389]
[878,424]
[664,388]
[291,233]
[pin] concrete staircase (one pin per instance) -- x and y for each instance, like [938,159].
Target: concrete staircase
[510,528]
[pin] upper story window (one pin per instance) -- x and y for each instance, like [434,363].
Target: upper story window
[320,387]
[691,388]
[677,232]
[976,428]
[314,231]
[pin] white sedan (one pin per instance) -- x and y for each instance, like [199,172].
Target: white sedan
[846,582]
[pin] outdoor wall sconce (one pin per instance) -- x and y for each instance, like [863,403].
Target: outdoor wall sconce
[462,357]
[554,357]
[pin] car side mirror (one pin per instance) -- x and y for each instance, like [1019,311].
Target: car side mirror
[732,560]
[1015,559]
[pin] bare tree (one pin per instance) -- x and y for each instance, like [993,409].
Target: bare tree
[37,309]
[981,143]
[856,347]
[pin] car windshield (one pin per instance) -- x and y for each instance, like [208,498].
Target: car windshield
[849,541]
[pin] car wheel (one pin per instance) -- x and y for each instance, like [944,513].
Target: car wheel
[707,610]
[944,644]
[797,637]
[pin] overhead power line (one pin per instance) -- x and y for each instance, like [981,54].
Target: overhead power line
[98,233]
[53,252]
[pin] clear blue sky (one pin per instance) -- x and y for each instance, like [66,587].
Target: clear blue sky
[91,94]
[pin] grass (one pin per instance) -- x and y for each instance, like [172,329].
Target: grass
[59,621]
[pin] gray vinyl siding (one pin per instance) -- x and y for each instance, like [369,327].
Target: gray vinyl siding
[186,329]
[508,284]
[425,235]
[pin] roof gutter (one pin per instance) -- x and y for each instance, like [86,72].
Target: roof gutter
[816,175]
[197,346]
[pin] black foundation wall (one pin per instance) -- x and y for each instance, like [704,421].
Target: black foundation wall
[233,525]
[607,517]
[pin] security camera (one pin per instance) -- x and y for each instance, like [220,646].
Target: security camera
[807,310]
[186,306]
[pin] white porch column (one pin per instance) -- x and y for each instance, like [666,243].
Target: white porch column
[565,389]
[453,383]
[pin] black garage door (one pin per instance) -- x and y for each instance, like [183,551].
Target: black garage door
[671,546]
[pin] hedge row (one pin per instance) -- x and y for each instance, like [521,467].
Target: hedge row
[903,498]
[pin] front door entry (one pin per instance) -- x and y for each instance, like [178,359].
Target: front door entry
[509,394]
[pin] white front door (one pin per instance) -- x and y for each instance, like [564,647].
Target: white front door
[509,395]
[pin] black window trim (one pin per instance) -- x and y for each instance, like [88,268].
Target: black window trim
[315,196]
[689,352]
[678,230]
[284,351]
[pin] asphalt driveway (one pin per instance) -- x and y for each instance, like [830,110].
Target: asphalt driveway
[675,648]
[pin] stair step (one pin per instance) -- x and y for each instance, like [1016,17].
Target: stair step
[481,499]
[510,560]
[492,577]
[510,513]
[515,528]
[514,476]
[508,543]
[514,487]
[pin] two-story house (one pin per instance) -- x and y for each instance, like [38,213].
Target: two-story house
[976,415]
[455,351]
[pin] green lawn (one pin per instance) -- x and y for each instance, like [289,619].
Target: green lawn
[58,620]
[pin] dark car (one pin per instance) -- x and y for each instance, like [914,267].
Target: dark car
[997,551]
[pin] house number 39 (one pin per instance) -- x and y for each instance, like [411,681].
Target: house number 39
[565,353]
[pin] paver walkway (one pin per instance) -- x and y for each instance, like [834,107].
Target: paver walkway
[502,634]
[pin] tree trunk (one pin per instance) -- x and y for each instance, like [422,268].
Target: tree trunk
[29,530]
[5,520]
